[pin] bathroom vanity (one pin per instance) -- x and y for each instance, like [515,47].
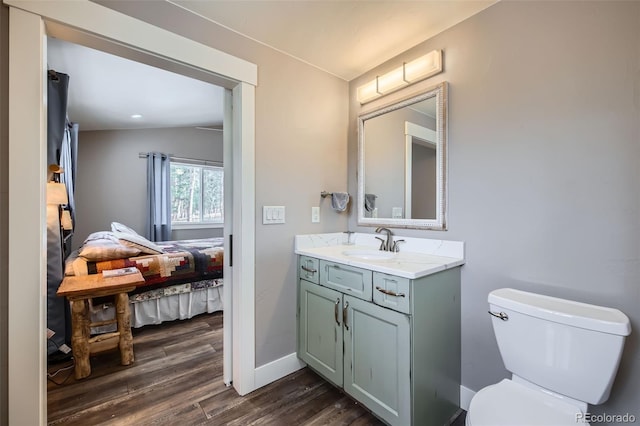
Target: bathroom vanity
[383,326]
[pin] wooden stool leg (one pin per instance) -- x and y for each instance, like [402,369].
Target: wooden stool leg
[80,337]
[124,328]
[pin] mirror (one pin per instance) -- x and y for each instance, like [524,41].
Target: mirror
[402,157]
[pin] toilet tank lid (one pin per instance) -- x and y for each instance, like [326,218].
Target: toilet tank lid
[577,314]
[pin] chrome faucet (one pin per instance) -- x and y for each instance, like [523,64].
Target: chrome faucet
[387,245]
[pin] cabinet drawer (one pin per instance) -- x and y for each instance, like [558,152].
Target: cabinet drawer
[347,279]
[392,292]
[309,269]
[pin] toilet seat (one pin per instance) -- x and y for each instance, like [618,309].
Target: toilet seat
[512,404]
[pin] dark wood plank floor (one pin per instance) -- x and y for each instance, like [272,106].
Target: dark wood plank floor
[176,379]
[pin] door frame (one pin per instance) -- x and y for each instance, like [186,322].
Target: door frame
[87,23]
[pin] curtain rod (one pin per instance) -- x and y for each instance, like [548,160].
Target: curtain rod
[186,160]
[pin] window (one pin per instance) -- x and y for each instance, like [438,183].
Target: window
[197,195]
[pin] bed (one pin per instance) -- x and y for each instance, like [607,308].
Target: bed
[182,278]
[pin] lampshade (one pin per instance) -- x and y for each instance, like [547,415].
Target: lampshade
[65,220]
[57,193]
[55,168]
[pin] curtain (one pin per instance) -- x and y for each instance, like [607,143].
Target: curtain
[158,197]
[57,91]
[69,163]
[57,308]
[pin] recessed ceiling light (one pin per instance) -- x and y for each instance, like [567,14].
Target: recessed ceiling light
[136,116]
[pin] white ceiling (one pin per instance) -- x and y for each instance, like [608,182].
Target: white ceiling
[106,90]
[343,37]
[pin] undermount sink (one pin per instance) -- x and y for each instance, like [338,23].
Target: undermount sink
[369,254]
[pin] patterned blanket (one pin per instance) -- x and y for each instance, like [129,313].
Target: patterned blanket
[182,262]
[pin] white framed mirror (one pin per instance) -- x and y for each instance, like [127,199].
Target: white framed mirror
[402,163]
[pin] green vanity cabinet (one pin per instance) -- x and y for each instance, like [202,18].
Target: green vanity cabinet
[377,359]
[392,343]
[320,330]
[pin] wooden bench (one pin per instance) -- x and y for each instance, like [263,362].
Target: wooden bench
[79,289]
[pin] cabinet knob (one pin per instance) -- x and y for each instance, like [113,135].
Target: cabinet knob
[335,311]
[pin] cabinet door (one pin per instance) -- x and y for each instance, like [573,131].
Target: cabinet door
[320,330]
[377,359]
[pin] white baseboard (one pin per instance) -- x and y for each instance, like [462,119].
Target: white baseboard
[466,395]
[277,369]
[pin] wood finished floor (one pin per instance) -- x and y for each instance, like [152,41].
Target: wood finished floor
[176,379]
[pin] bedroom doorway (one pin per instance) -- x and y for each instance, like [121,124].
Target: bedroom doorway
[180,116]
[94,25]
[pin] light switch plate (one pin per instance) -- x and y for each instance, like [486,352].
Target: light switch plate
[315,214]
[273,215]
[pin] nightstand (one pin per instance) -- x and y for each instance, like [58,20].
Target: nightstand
[79,289]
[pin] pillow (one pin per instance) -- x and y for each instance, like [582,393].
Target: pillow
[100,235]
[139,242]
[105,246]
[118,227]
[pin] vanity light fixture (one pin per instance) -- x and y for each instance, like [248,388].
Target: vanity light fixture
[409,73]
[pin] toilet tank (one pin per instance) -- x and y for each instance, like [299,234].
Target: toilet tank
[567,347]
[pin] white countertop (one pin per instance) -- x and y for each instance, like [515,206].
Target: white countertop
[422,257]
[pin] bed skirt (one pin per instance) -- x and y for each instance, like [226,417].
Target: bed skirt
[176,306]
[170,307]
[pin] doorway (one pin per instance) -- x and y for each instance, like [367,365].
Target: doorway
[178,114]
[95,26]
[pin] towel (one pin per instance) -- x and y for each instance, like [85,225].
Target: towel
[370,202]
[339,201]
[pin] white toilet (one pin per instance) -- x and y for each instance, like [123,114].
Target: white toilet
[562,355]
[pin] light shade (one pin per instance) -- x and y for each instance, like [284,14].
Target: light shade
[409,73]
[368,92]
[57,193]
[65,220]
[423,67]
[391,81]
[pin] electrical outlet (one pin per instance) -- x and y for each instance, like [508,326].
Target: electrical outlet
[315,214]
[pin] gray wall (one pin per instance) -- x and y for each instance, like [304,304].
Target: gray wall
[111,182]
[301,150]
[4,220]
[544,144]
[544,183]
